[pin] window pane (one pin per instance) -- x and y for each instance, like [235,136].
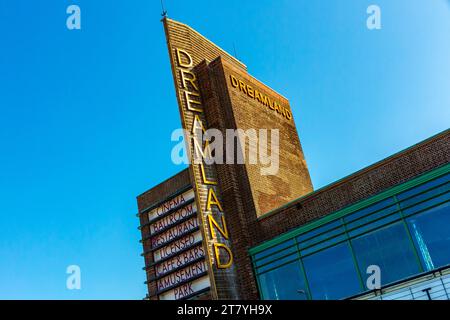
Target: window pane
[322,237]
[372,217]
[424,205]
[278,262]
[285,283]
[425,196]
[423,187]
[390,249]
[374,225]
[276,256]
[375,207]
[278,247]
[431,234]
[332,274]
[322,229]
[324,244]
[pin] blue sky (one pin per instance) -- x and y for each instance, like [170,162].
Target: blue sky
[86,115]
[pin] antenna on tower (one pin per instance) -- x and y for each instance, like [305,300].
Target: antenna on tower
[164,11]
[235,54]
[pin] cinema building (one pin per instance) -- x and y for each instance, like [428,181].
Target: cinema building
[226,231]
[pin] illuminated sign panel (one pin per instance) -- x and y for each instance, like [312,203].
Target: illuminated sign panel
[186,290]
[172,204]
[182,276]
[176,242]
[181,214]
[175,232]
[180,260]
[179,245]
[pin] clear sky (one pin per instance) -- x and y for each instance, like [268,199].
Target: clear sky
[86,115]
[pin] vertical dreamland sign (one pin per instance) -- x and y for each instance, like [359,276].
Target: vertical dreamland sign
[187,49]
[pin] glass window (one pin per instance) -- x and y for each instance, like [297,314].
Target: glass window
[389,248]
[374,225]
[322,237]
[276,256]
[403,235]
[372,217]
[332,274]
[425,195]
[423,187]
[426,204]
[431,233]
[319,230]
[285,283]
[373,208]
[276,248]
[324,244]
[278,262]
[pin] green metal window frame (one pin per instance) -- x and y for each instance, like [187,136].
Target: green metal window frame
[341,214]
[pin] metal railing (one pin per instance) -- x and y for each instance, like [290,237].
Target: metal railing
[434,285]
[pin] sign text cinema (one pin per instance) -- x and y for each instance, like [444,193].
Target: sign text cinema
[181,276]
[171,204]
[179,215]
[192,97]
[260,97]
[175,232]
[180,260]
[177,246]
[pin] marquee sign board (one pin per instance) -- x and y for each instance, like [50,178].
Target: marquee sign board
[179,259]
[186,290]
[178,246]
[171,205]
